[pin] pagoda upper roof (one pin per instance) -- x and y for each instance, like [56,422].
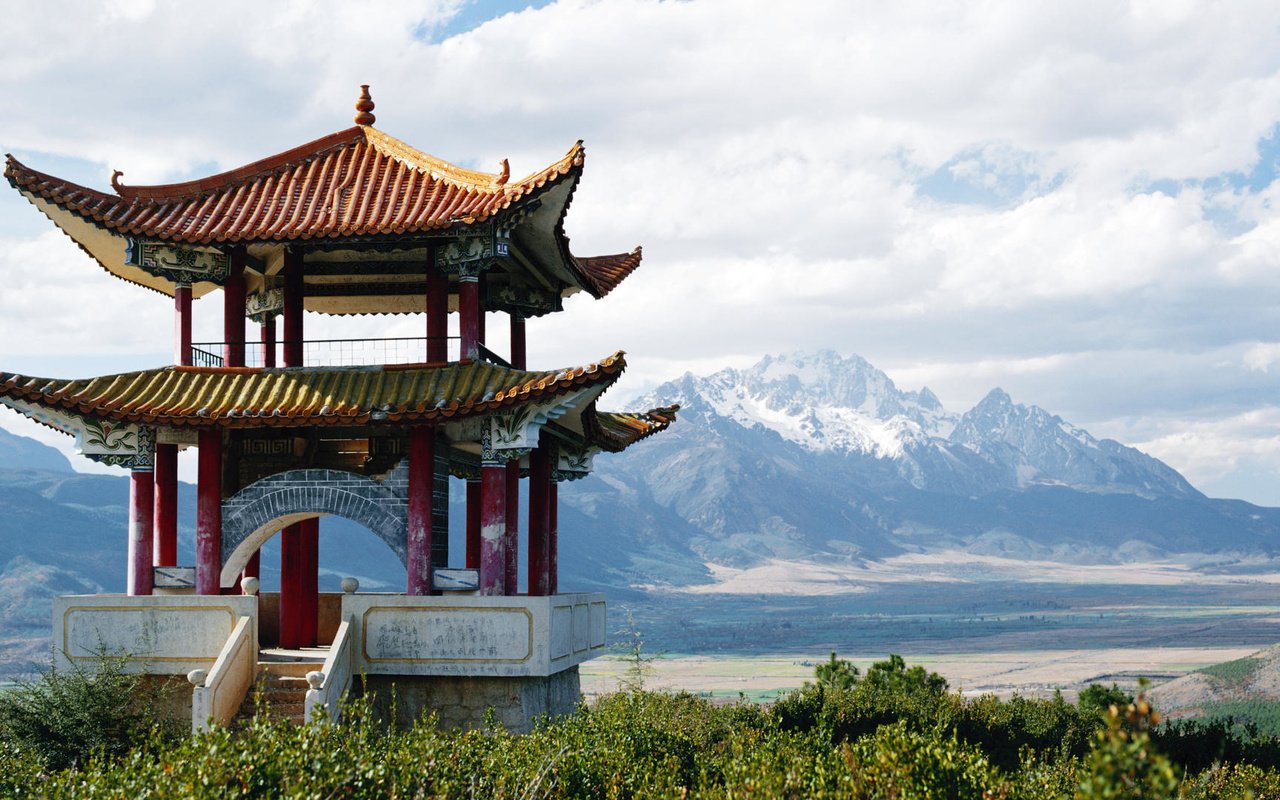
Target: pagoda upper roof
[356,182]
[358,191]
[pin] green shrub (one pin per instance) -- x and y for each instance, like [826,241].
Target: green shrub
[1124,763]
[901,763]
[898,736]
[66,716]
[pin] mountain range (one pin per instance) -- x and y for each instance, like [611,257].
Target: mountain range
[815,458]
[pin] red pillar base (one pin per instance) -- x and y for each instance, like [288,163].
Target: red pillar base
[512,544]
[165,544]
[422,460]
[473,524]
[209,514]
[141,508]
[291,567]
[493,529]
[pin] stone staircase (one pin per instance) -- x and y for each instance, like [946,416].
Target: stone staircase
[281,686]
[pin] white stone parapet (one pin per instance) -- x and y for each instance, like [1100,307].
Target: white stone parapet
[499,636]
[156,634]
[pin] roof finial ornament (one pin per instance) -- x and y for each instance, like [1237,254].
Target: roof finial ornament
[364,105]
[115,182]
[505,174]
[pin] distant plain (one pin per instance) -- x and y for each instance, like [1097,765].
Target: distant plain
[1000,637]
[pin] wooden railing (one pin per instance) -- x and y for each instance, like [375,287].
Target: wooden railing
[330,684]
[219,692]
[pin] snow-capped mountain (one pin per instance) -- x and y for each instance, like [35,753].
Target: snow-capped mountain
[819,458]
[824,402]
[1035,447]
[827,403]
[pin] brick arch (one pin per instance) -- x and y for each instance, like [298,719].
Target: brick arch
[255,513]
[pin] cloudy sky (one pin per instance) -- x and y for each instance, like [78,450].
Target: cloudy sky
[1076,201]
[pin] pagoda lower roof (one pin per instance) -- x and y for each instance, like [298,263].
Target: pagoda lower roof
[616,431]
[240,397]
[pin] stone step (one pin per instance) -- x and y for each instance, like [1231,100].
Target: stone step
[282,686]
[288,669]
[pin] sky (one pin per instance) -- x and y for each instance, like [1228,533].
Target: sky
[1074,201]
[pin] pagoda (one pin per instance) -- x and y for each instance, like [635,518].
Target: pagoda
[289,429]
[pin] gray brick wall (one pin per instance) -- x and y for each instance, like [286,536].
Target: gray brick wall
[380,506]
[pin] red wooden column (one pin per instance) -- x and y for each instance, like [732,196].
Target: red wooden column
[182,324]
[292,559]
[493,527]
[422,463]
[518,348]
[513,471]
[209,513]
[437,313]
[469,312]
[165,534]
[268,339]
[293,295]
[309,603]
[553,538]
[165,514]
[511,547]
[141,507]
[539,519]
[473,523]
[298,542]
[233,312]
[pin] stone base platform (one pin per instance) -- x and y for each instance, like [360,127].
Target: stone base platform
[462,702]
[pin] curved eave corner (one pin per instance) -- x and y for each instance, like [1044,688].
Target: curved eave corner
[614,431]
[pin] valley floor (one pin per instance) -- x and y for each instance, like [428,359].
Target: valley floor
[1035,673]
[1032,638]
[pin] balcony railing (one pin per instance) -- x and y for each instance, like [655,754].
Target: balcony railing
[334,352]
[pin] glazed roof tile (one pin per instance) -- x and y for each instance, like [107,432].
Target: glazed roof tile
[244,397]
[604,273]
[616,431]
[356,182]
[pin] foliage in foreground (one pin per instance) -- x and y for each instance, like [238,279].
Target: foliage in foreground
[67,716]
[895,732]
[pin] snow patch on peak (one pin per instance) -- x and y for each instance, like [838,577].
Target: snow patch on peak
[824,401]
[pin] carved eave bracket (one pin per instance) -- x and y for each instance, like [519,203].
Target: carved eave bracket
[519,429]
[526,300]
[512,434]
[264,304]
[177,263]
[118,444]
[469,254]
[574,465]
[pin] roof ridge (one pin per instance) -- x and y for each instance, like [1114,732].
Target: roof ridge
[437,167]
[273,163]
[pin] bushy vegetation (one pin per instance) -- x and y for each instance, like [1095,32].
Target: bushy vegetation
[67,716]
[896,731]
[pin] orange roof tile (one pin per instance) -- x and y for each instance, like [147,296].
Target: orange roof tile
[615,431]
[357,182]
[604,273]
[245,397]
